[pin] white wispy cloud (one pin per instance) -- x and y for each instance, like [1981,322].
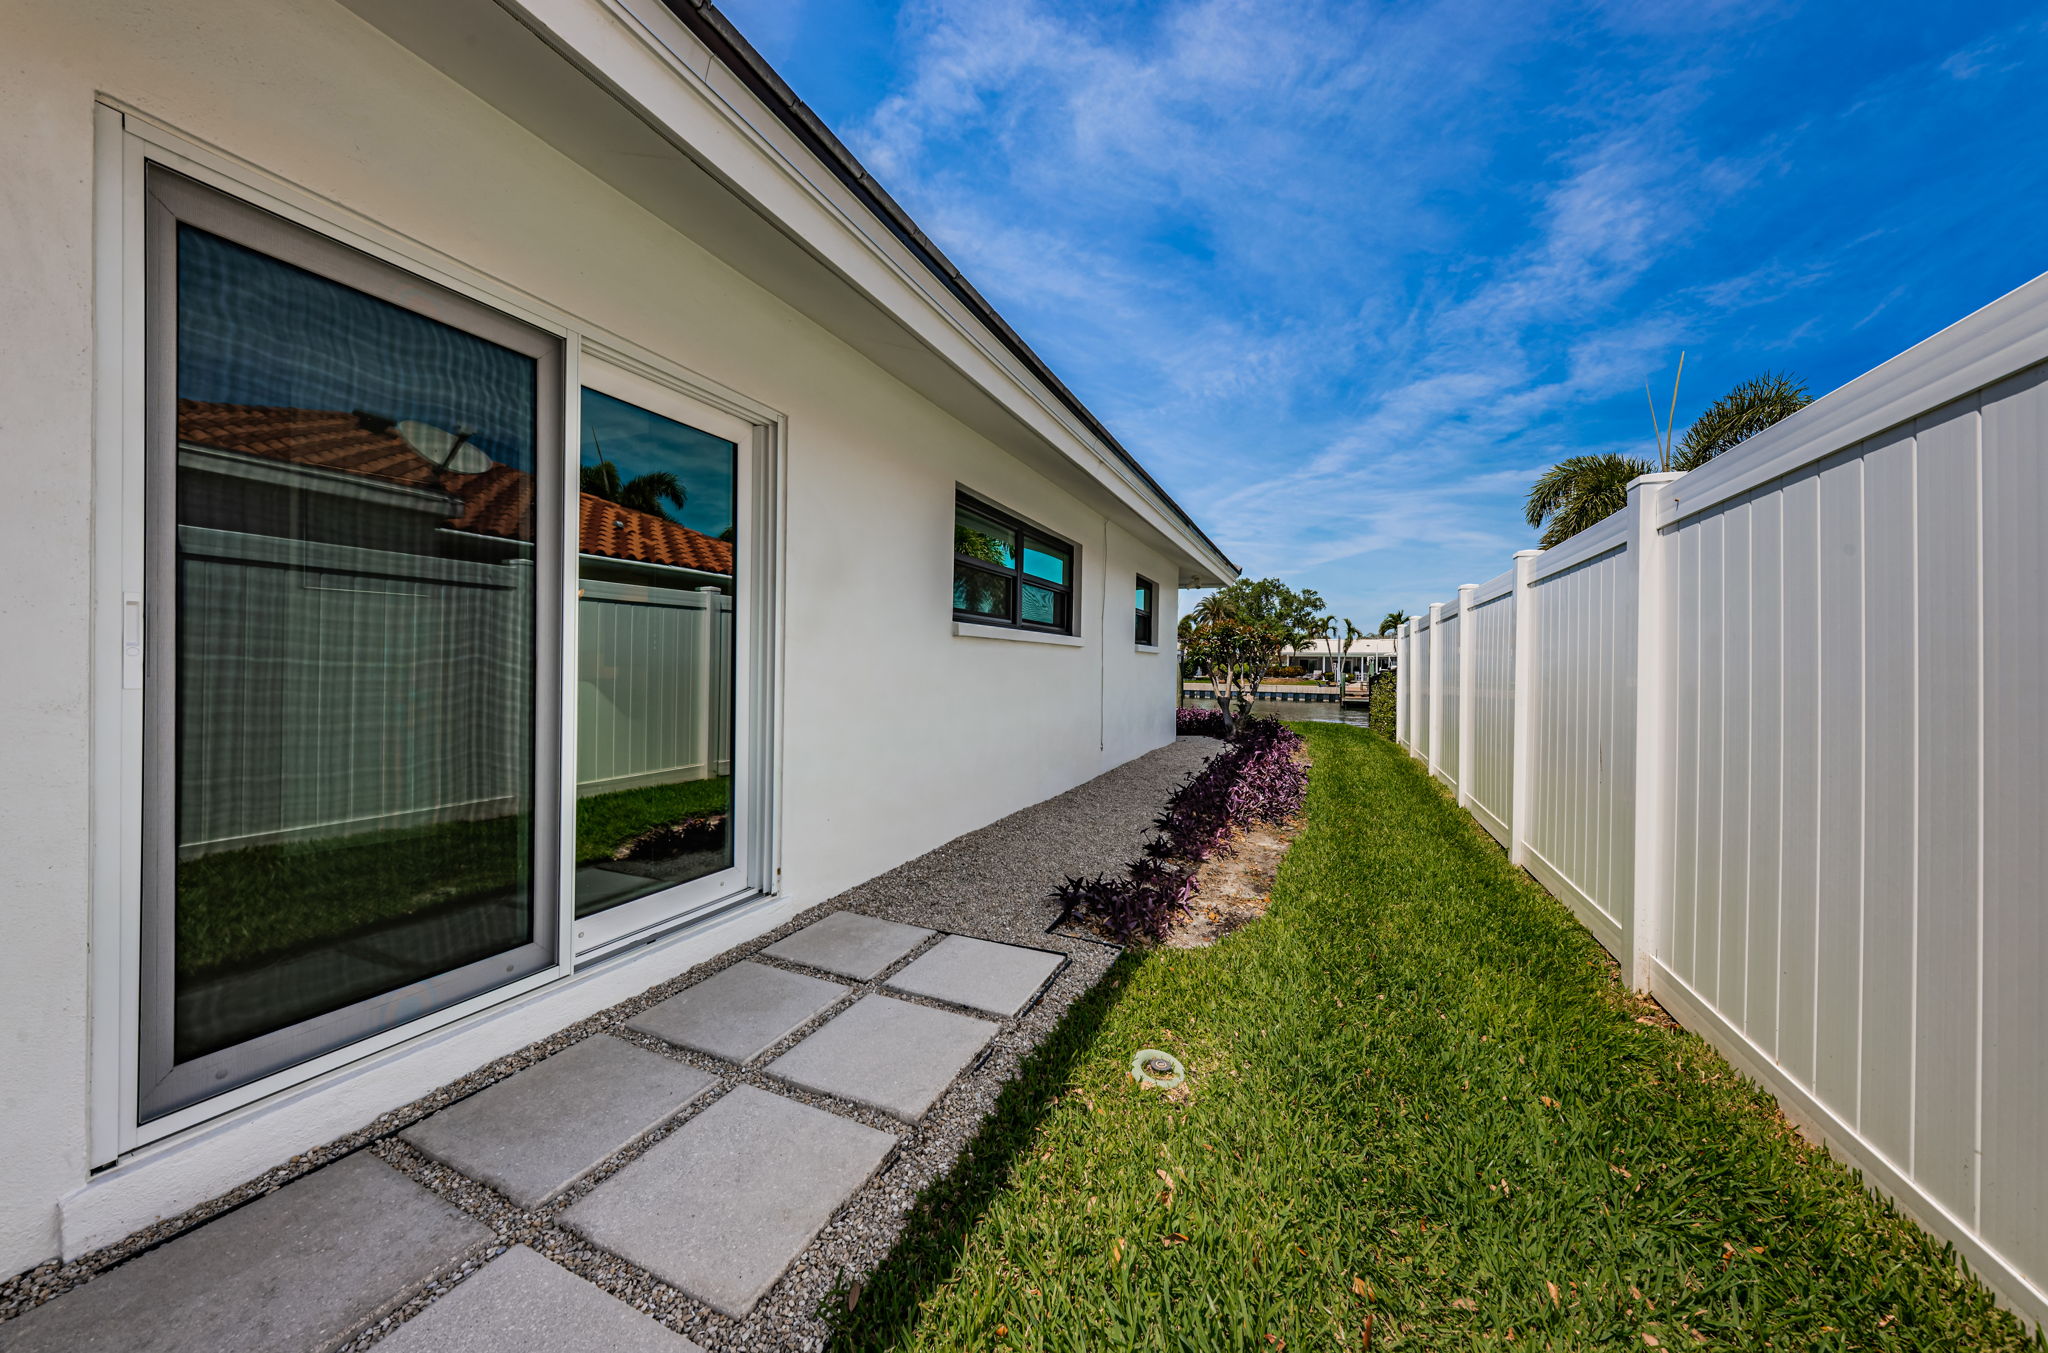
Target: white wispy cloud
[1347,275]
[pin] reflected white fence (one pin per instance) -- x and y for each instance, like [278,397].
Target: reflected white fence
[1776,734]
[444,705]
[654,678]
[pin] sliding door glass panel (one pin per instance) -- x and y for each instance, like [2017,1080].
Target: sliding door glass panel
[654,733]
[348,715]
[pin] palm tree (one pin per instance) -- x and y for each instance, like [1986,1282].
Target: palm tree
[1394,621]
[1739,415]
[651,493]
[1580,491]
[1352,634]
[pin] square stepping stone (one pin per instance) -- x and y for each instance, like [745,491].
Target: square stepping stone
[300,1268]
[532,1134]
[720,1207]
[888,1055]
[739,1013]
[849,944]
[521,1303]
[979,974]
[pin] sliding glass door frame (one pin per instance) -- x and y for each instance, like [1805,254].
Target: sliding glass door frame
[126,587]
[172,200]
[633,922]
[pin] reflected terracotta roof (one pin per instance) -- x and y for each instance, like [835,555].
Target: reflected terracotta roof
[319,439]
[622,533]
[498,502]
[495,502]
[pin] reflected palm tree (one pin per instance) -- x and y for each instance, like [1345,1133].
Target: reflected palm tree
[653,493]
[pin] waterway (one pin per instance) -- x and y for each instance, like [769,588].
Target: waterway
[1295,711]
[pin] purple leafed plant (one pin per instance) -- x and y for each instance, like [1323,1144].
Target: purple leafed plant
[1201,723]
[1255,778]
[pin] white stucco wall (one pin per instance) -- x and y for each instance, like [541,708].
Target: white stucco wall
[917,736]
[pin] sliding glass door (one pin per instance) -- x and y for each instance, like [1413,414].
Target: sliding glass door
[658,614]
[353,642]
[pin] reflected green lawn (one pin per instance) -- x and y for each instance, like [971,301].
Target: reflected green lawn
[240,908]
[604,822]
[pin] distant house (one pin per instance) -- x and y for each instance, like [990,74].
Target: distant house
[508,510]
[1368,656]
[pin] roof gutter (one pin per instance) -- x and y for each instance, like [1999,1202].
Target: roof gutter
[737,55]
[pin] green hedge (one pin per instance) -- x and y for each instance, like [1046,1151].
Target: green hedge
[1380,696]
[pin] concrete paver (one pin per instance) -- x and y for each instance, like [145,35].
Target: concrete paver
[999,978]
[295,1271]
[849,944]
[533,1133]
[521,1303]
[887,1054]
[720,1207]
[739,1013]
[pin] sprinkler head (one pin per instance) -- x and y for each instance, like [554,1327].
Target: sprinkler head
[1156,1069]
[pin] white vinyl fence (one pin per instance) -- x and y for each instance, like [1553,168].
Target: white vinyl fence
[1778,734]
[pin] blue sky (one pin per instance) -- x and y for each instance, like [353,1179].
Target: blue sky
[1347,276]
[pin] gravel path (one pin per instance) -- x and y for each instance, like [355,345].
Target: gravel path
[994,883]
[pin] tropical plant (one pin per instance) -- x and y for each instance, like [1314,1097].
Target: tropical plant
[1579,491]
[1238,632]
[1257,777]
[653,493]
[1393,621]
[1381,696]
[1351,635]
[1739,415]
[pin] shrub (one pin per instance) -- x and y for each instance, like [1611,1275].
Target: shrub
[1284,673]
[1255,778]
[1380,703]
[1200,723]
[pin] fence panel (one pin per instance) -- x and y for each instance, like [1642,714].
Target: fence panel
[1580,838]
[1490,793]
[1449,733]
[1420,732]
[1819,665]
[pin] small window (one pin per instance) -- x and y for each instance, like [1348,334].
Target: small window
[1008,573]
[1146,633]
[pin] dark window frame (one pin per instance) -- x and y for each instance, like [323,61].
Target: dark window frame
[1015,576]
[1145,628]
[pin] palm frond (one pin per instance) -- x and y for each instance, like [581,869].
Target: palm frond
[1740,414]
[1580,491]
[653,493]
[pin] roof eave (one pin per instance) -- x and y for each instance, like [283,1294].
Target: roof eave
[710,26]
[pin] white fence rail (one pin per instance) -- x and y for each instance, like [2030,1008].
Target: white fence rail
[1778,734]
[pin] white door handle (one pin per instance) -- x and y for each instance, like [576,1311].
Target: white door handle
[131,641]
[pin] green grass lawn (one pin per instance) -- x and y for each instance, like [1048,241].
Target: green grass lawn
[1419,1095]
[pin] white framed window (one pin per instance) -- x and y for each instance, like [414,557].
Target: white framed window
[356,543]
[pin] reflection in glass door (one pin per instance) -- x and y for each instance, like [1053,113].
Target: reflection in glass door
[349,619]
[655,663]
